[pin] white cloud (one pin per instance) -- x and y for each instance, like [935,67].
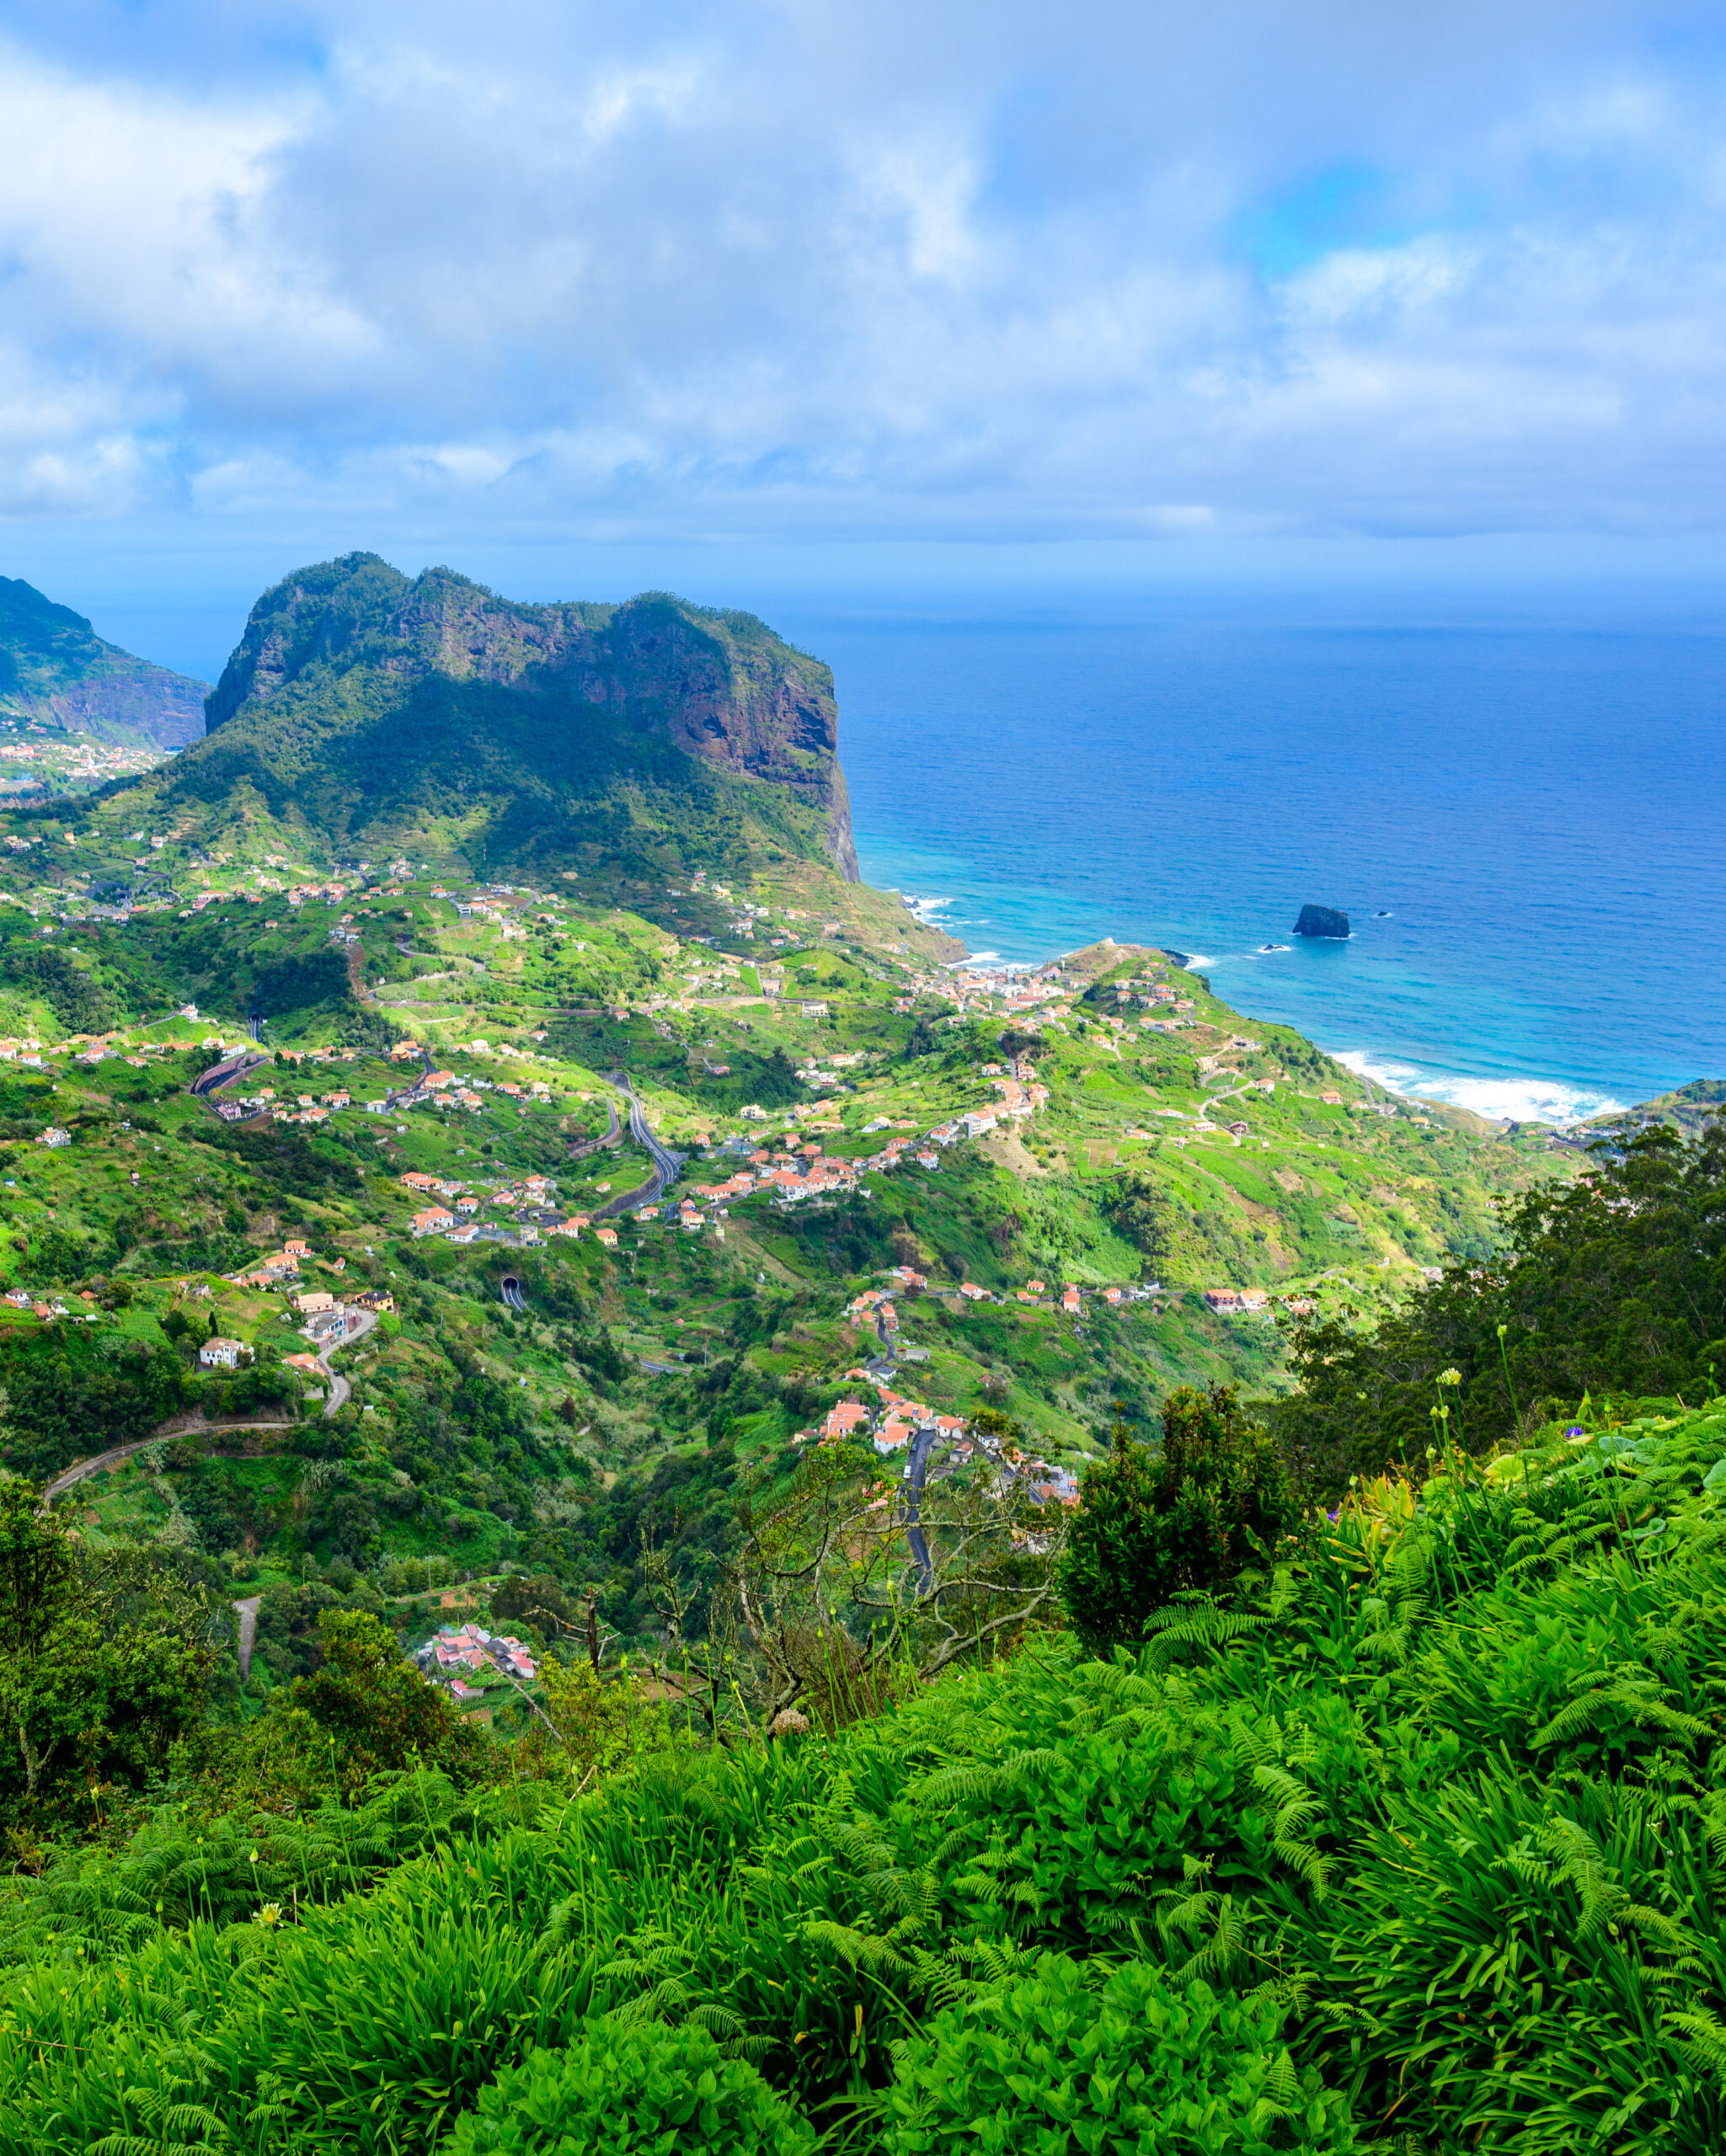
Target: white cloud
[858,269]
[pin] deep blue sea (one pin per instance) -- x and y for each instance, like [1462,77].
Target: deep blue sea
[1522,816]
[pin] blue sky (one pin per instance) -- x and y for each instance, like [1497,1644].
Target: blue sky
[747,290]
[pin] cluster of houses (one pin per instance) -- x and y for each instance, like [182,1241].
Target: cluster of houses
[470,1648]
[443,1089]
[1255,1302]
[22,1299]
[531,1200]
[893,1424]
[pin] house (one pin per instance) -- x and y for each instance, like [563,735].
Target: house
[1070,1298]
[313,1301]
[435,1220]
[973,1294]
[813,1009]
[309,1364]
[378,1300]
[218,1354]
[1222,1299]
[327,1325]
[54,1136]
[605,1236]
[892,1433]
[844,1421]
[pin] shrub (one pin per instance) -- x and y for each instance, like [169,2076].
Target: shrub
[1050,2065]
[622,2088]
[1154,1524]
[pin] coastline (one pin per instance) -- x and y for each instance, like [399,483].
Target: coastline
[1505,1096]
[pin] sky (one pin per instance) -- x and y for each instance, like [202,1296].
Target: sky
[718,291]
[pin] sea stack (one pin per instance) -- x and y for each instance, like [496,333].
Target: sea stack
[1321,920]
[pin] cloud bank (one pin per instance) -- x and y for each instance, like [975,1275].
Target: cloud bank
[852,271]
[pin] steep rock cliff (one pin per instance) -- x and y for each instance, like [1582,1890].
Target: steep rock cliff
[418,695]
[54,666]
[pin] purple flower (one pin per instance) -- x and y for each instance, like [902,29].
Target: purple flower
[1576,1430]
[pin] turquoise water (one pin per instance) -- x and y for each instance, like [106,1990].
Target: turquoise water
[1522,819]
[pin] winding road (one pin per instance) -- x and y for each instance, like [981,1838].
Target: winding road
[921,1445]
[666,1164]
[340,1390]
[81,1469]
[248,1632]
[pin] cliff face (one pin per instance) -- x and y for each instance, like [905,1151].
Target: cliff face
[54,666]
[339,649]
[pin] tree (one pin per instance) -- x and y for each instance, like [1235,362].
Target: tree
[375,1711]
[104,1658]
[1155,1522]
[843,1593]
[1612,1285]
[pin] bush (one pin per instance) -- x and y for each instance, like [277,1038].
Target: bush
[1052,2066]
[1152,1525]
[619,2089]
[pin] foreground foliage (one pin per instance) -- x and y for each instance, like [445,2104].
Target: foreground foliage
[1441,1817]
[1615,1284]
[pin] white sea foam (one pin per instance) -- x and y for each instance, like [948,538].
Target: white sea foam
[1197,962]
[1515,1099]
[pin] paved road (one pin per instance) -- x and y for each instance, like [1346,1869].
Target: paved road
[921,1445]
[81,1469]
[228,1072]
[666,1164]
[248,1632]
[340,1390]
[510,1288]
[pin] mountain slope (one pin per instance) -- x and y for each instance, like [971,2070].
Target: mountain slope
[366,711]
[54,667]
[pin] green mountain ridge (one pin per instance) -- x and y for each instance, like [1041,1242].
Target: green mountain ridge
[364,711]
[55,669]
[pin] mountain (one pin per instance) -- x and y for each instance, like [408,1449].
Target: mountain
[367,713]
[54,667]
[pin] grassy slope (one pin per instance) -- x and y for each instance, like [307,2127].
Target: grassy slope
[1456,1802]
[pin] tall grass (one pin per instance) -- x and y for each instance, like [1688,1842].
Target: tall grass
[1450,1800]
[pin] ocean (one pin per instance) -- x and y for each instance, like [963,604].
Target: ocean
[1521,814]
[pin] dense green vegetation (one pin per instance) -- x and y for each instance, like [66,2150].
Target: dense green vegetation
[1614,1285]
[1419,1840]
